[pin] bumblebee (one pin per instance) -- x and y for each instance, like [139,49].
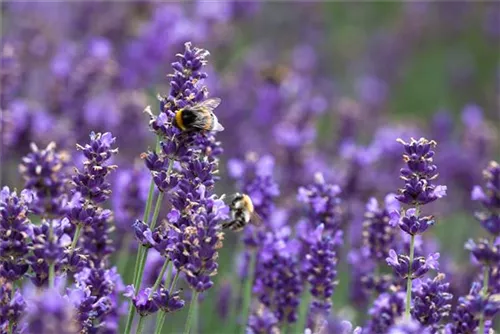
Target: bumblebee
[242,212]
[274,75]
[199,117]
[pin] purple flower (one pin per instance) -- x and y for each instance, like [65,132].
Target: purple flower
[420,266]
[408,326]
[48,250]
[485,252]
[465,319]
[15,228]
[44,173]
[168,302]
[49,312]
[378,234]
[322,203]
[489,197]
[96,299]
[91,182]
[411,223]
[419,173]
[142,302]
[431,301]
[278,282]
[321,270]
[385,310]
[11,308]
[262,321]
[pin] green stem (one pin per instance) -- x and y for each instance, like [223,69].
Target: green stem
[192,306]
[75,238]
[157,210]
[52,265]
[123,256]
[141,256]
[232,317]
[149,202]
[140,325]
[142,264]
[486,277]
[159,279]
[172,285]
[247,297]
[408,282]
[160,321]
[52,275]
[304,307]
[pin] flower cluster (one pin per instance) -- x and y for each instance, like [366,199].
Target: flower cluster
[15,229]
[44,173]
[431,302]
[12,306]
[385,310]
[489,197]
[277,279]
[470,308]
[50,312]
[322,269]
[419,173]
[96,299]
[91,188]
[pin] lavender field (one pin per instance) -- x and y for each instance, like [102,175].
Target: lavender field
[238,167]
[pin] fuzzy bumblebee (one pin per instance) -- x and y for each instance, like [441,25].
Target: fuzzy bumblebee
[242,213]
[199,117]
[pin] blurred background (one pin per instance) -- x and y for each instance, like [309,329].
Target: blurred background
[319,86]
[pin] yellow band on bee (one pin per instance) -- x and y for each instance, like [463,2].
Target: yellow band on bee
[178,120]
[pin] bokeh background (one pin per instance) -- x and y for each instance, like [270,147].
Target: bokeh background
[319,86]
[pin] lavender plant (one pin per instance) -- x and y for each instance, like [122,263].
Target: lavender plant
[302,114]
[419,175]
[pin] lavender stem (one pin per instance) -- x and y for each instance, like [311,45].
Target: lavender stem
[52,266]
[192,306]
[160,277]
[140,325]
[486,277]
[408,283]
[247,297]
[304,307]
[75,238]
[159,322]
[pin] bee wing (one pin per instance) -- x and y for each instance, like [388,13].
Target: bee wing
[255,219]
[207,105]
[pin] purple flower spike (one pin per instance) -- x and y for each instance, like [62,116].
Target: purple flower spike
[378,232]
[143,304]
[385,310]
[91,182]
[11,309]
[465,319]
[413,224]
[489,197]
[431,301]
[49,312]
[485,252]
[15,230]
[44,172]
[168,302]
[321,270]
[420,265]
[419,173]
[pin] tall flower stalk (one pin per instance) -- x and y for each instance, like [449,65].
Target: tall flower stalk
[183,169]
[487,251]
[418,175]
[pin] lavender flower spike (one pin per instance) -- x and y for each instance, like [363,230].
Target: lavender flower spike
[489,197]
